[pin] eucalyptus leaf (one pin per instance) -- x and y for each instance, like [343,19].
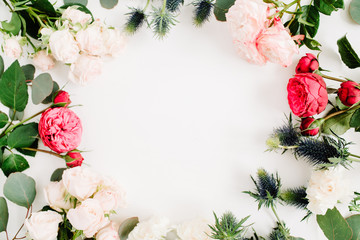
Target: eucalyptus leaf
[18,115]
[42,87]
[20,189]
[57,175]
[354,223]
[13,88]
[338,124]
[14,163]
[29,71]
[4,214]
[334,225]
[3,119]
[108,4]
[2,66]
[127,226]
[82,2]
[221,8]
[347,53]
[354,10]
[50,98]
[23,136]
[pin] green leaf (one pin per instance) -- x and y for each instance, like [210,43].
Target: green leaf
[127,226]
[64,232]
[13,88]
[82,2]
[20,189]
[334,225]
[354,223]
[18,115]
[13,26]
[57,175]
[3,141]
[42,87]
[221,8]
[4,214]
[31,26]
[23,136]
[3,119]
[29,71]
[338,124]
[50,98]
[355,120]
[30,153]
[354,10]
[14,163]
[347,53]
[339,4]
[323,7]
[44,6]
[2,66]
[311,15]
[108,4]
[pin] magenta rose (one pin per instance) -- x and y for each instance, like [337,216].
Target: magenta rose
[349,93]
[307,94]
[74,159]
[305,128]
[62,97]
[60,129]
[307,64]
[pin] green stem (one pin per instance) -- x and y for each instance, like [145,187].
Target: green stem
[332,78]
[288,147]
[43,151]
[34,14]
[340,112]
[353,159]
[163,7]
[27,214]
[8,5]
[281,13]
[278,219]
[32,45]
[146,6]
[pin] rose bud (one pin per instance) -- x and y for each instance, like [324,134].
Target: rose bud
[73,159]
[305,128]
[307,94]
[62,97]
[349,93]
[307,64]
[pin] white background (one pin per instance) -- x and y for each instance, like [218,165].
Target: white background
[181,123]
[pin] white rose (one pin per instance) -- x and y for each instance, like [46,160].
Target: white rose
[197,229]
[55,194]
[91,41]
[110,232]
[63,46]
[326,188]
[76,16]
[43,60]
[114,41]
[155,228]
[43,225]
[12,48]
[80,183]
[111,196]
[85,69]
[88,217]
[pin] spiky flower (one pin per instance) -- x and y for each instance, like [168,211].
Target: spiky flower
[228,228]
[202,11]
[173,5]
[267,188]
[162,20]
[295,197]
[135,20]
[280,232]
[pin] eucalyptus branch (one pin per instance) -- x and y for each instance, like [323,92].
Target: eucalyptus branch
[27,215]
[7,235]
[43,151]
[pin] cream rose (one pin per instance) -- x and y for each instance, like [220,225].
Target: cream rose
[43,225]
[76,16]
[110,232]
[114,41]
[63,46]
[88,217]
[326,188]
[43,60]
[12,48]
[91,40]
[155,228]
[55,194]
[80,183]
[197,229]
[85,69]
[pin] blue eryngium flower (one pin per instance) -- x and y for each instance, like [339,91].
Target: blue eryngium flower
[228,227]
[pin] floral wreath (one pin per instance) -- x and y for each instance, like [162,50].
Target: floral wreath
[81,203]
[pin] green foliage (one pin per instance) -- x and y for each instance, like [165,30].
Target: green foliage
[334,225]
[174,5]
[30,153]
[327,7]
[18,115]
[42,87]
[81,2]
[4,214]
[14,26]
[347,53]
[57,175]
[14,163]
[29,71]
[44,6]
[108,4]
[135,20]
[23,136]
[295,197]
[50,98]
[228,227]
[20,189]
[355,121]
[221,8]
[202,11]
[3,119]
[2,66]
[162,20]
[354,10]
[338,124]
[13,88]
[354,224]
[127,226]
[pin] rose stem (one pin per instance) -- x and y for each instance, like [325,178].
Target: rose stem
[333,78]
[277,217]
[7,4]
[340,112]
[44,151]
[7,236]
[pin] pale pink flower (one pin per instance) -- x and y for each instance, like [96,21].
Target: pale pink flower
[12,48]
[114,41]
[196,229]
[110,232]
[43,225]
[111,196]
[55,194]
[63,46]
[76,16]
[91,40]
[85,69]
[43,60]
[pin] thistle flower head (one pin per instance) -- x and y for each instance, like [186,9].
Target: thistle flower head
[173,5]
[135,20]
[295,197]
[202,11]
[284,136]
[280,233]
[162,20]
[228,227]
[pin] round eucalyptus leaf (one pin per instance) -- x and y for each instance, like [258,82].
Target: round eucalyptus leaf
[354,10]
[127,226]
[20,189]
[18,115]
[42,87]
[57,175]
[108,4]
[82,2]
[354,223]
[29,71]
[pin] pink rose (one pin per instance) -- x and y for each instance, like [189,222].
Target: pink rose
[76,16]
[12,48]
[43,60]
[110,232]
[62,97]
[307,94]
[60,129]
[305,127]
[349,93]
[111,196]
[63,46]
[55,194]
[307,64]
[74,159]
[85,69]
[43,225]
[91,40]
[114,42]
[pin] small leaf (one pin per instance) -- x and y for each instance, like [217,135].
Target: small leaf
[354,223]
[2,66]
[334,225]
[338,124]
[82,2]
[31,26]
[42,87]
[29,71]
[13,88]
[311,15]
[18,115]
[3,119]
[221,8]
[347,53]
[20,189]
[30,153]
[354,10]
[50,98]
[44,6]
[108,4]
[13,26]
[127,226]
[57,175]
[14,163]
[23,136]
[4,214]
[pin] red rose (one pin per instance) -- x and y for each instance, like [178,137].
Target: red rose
[62,97]
[307,64]
[74,159]
[304,127]
[349,93]
[307,94]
